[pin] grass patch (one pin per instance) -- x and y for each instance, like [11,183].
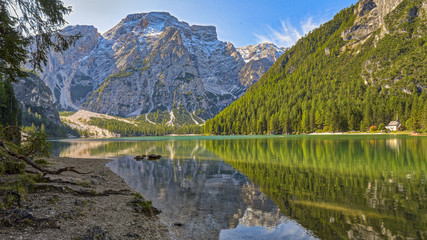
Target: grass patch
[140,205]
[15,187]
[66,113]
[42,162]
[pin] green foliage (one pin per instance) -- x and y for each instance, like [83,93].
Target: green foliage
[35,144]
[344,89]
[15,182]
[66,113]
[42,162]
[11,166]
[142,128]
[23,22]
[201,113]
[374,181]
[15,187]
[13,48]
[159,116]
[10,112]
[142,206]
[182,116]
[123,74]
[32,122]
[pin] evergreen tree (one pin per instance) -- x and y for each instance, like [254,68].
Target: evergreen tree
[23,23]
[10,112]
[350,88]
[30,22]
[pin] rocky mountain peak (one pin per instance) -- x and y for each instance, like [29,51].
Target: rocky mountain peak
[146,24]
[204,33]
[153,23]
[258,58]
[259,51]
[84,29]
[89,37]
[370,17]
[152,62]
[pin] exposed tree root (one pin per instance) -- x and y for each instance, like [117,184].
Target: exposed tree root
[19,217]
[81,192]
[19,198]
[60,181]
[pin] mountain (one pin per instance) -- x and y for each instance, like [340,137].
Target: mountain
[38,108]
[367,66]
[151,63]
[258,58]
[33,93]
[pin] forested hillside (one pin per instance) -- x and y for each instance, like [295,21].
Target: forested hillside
[342,76]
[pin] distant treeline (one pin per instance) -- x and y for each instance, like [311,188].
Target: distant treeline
[142,128]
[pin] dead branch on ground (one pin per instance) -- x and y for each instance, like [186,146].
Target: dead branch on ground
[35,165]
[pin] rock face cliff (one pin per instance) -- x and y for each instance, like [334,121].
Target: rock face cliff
[370,16]
[33,93]
[152,62]
[385,20]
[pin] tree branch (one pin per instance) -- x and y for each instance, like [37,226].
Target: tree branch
[36,166]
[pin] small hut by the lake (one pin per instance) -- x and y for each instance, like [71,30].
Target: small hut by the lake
[394,125]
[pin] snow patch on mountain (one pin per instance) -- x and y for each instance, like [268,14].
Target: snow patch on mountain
[152,61]
[260,51]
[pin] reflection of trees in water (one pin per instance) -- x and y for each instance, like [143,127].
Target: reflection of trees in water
[336,186]
[206,196]
[105,148]
[93,149]
[339,188]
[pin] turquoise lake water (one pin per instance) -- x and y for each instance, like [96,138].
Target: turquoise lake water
[275,187]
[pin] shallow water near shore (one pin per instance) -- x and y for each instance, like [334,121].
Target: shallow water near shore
[275,187]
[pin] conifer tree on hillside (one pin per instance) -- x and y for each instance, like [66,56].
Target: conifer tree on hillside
[326,83]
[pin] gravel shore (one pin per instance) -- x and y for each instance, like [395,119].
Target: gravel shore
[98,205]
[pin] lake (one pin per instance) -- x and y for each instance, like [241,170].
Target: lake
[275,187]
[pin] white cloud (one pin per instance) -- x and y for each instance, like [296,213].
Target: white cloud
[309,25]
[287,35]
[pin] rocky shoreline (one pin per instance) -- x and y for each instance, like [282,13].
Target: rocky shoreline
[98,205]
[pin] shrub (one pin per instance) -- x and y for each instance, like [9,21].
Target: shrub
[373,129]
[325,129]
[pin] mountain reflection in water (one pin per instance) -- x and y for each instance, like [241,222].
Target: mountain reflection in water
[206,196]
[296,187]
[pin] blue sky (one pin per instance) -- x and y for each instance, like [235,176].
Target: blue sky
[241,22]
